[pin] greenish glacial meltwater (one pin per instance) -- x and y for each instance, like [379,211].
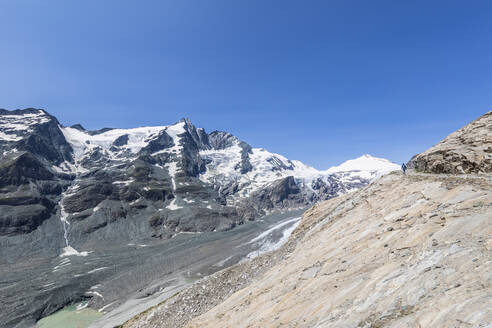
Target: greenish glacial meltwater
[73,316]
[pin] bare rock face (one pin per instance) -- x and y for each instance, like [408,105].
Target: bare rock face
[468,150]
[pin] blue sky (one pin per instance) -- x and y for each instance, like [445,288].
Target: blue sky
[318,81]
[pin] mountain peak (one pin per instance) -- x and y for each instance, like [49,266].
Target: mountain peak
[30,110]
[366,162]
[78,127]
[185,120]
[16,124]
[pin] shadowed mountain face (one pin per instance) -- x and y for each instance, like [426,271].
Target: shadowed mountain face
[468,150]
[68,192]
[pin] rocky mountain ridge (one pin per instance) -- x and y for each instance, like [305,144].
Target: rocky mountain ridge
[176,169]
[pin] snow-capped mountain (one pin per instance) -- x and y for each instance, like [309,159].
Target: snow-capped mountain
[365,163]
[78,208]
[175,177]
[265,168]
[244,174]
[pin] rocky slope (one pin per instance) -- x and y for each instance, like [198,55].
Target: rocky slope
[75,205]
[405,251]
[468,150]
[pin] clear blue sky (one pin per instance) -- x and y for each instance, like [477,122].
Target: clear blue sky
[319,81]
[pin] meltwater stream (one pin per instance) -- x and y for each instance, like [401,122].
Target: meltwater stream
[67,250]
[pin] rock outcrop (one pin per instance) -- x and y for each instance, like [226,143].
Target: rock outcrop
[468,150]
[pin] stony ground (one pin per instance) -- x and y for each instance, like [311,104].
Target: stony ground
[406,251]
[208,292]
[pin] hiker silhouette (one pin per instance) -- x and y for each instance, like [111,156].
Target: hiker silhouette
[404,168]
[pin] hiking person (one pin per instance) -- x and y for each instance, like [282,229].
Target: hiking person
[404,168]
